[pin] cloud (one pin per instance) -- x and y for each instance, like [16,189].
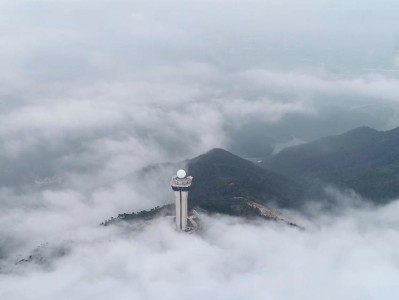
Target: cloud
[160,77]
[350,255]
[307,85]
[90,93]
[396,60]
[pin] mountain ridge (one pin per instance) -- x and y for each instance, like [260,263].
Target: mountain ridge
[362,159]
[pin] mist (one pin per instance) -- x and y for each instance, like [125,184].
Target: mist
[91,93]
[347,255]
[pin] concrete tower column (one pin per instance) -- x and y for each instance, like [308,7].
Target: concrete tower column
[181,185]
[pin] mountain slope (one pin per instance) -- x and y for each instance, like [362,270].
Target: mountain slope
[363,159]
[222,177]
[223,183]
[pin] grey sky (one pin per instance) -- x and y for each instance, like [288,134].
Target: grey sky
[325,56]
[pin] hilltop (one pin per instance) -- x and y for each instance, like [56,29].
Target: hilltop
[228,184]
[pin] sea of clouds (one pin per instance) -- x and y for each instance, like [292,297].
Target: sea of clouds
[350,255]
[91,93]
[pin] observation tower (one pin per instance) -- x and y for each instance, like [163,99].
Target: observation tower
[181,184]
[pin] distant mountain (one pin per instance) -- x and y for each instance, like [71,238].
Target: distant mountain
[363,159]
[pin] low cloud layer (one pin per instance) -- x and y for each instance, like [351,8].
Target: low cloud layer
[100,85]
[351,255]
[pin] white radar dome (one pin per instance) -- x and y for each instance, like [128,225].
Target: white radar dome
[181,174]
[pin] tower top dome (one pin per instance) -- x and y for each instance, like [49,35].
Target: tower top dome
[181,174]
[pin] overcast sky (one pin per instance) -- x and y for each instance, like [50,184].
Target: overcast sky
[93,91]
[249,74]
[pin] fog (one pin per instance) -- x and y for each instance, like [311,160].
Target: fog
[351,255]
[259,71]
[93,92]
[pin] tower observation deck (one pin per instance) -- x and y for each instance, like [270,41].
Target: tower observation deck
[181,184]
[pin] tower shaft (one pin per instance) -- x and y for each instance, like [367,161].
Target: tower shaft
[181,187]
[181,209]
